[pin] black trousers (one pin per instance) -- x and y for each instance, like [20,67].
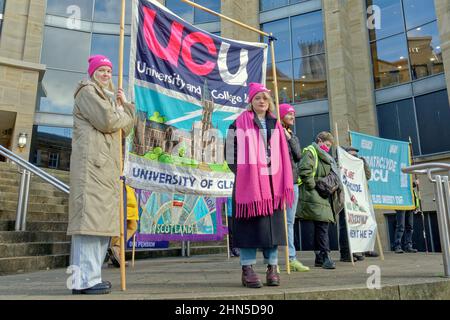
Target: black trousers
[344,248]
[321,239]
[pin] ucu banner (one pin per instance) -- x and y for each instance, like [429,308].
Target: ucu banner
[179,57]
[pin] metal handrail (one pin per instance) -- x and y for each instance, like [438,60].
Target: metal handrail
[35,170]
[442,195]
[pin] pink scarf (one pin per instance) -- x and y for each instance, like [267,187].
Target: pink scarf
[253,193]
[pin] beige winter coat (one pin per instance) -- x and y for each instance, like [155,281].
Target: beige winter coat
[95,163]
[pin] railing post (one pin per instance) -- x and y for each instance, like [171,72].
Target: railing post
[188,249]
[19,211]
[442,205]
[25,199]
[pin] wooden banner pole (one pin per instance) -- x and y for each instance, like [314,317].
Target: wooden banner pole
[277,105]
[225,205]
[122,227]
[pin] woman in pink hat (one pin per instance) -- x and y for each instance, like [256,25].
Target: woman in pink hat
[287,116]
[258,155]
[98,114]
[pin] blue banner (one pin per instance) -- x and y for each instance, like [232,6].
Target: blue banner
[390,188]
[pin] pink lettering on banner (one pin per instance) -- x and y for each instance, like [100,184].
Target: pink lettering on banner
[172,51]
[175,44]
[189,41]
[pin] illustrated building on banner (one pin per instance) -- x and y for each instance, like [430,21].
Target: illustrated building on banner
[204,143]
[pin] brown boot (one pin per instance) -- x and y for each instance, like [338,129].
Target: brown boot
[272,276]
[249,278]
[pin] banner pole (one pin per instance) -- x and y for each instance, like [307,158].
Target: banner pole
[228,229]
[277,107]
[122,227]
[134,250]
[380,248]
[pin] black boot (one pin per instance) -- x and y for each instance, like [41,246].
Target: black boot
[327,262]
[319,259]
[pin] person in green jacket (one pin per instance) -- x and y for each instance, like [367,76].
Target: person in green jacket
[317,163]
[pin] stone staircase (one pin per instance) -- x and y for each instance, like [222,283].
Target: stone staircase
[45,244]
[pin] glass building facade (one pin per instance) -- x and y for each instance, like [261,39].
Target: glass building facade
[407,71]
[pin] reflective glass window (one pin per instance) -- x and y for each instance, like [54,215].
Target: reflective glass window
[2,6]
[307,128]
[181,9]
[396,120]
[310,78]
[418,12]
[284,80]
[110,10]
[390,61]
[280,30]
[425,51]
[201,16]
[271,4]
[71,8]
[307,34]
[58,88]
[65,49]
[433,117]
[108,45]
[51,147]
[391,18]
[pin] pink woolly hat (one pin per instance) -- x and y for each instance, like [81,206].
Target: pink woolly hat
[254,89]
[96,62]
[285,108]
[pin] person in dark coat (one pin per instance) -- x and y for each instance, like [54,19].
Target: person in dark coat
[257,153]
[317,163]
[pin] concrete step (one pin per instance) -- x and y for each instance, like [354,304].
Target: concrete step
[15,175]
[48,191]
[33,249]
[34,184]
[36,199]
[175,252]
[32,236]
[33,263]
[35,207]
[9,225]
[176,244]
[35,216]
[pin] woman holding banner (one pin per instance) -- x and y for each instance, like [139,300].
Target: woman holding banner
[258,155]
[94,204]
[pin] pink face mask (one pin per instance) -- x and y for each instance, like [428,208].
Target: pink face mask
[324,148]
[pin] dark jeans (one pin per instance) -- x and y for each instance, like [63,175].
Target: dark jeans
[344,248]
[404,227]
[321,240]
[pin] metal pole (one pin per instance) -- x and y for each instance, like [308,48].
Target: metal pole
[25,199]
[20,202]
[446,198]
[183,248]
[442,223]
[188,249]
